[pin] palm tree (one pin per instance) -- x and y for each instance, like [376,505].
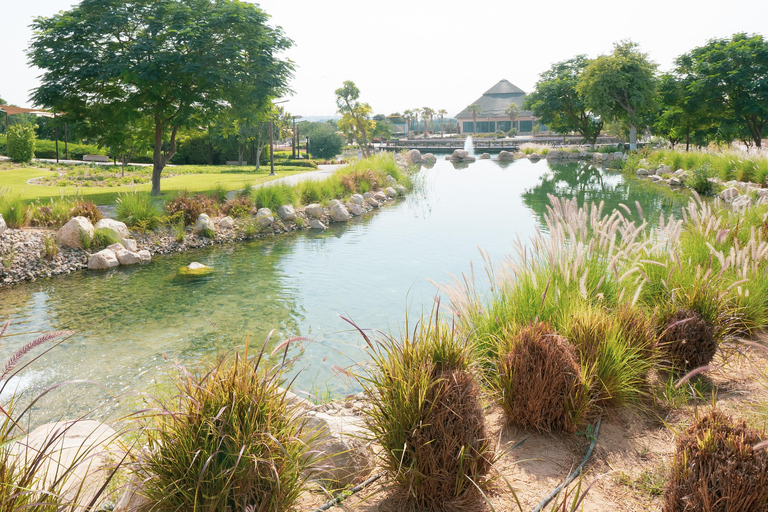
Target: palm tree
[513,111]
[441,113]
[408,115]
[427,113]
[475,109]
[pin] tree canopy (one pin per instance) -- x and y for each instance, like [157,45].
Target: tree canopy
[620,86]
[174,63]
[557,103]
[732,73]
[355,116]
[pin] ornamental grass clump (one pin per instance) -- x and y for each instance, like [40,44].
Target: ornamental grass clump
[539,382]
[226,441]
[13,210]
[426,415]
[687,342]
[718,467]
[138,210]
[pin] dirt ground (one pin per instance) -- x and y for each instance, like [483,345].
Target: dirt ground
[627,471]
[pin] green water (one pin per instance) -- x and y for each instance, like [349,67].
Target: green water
[131,324]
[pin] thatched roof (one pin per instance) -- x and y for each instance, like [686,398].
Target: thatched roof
[494,102]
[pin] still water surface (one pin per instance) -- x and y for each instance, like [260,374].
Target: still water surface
[132,323]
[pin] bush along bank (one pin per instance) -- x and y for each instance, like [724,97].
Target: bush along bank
[59,237]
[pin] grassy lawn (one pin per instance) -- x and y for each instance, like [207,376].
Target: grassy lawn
[14,180]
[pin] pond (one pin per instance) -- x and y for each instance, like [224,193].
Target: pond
[131,324]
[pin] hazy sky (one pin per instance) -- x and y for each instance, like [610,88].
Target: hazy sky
[440,54]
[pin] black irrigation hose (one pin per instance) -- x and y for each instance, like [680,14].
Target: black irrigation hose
[354,490]
[573,475]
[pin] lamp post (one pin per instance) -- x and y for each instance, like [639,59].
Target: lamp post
[272,141]
[295,137]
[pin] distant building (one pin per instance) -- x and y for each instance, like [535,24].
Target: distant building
[493,112]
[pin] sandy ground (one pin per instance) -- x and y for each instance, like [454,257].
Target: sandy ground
[628,469]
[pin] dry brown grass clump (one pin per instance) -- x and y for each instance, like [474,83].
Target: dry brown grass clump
[717,469]
[540,381]
[688,341]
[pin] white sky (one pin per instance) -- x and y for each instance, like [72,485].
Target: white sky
[436,53]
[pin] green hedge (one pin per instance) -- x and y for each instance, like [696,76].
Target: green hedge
[47,149]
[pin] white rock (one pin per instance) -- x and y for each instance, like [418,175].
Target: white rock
[145,255]
[507,156]
[227,222]
[655,178]
[762,192]
[346,456]
[286,212]
[742,202]
[427,158]
[80,453]
[339,213]
[264,217]
[660,171]
[314,210]
[392,181]
[195,265]
[641,171]
[368,195]
[485,156]
[674,182]
[380,196]
[115,225]
[357,198]
[116,247]
[459,154]
[333,202]
[401,190]
[204,223]
[413,156]
[534,156]
[3,226]
[126,257]
[69,234]
[391,192]
[372,202]
[729,193]
[357,210]
[618,155]
[102,260]
[316,224]
[130,244]
[679,172]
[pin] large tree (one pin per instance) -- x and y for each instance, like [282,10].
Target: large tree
[175,62]
[355,116]
[684,114]
[557,104]
[734,74]
[621,86]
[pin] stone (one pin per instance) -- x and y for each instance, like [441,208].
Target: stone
[102,260]
[294,400]
[314,210]
[401,190]
[316,224]
[3,226]
[655,178]
[507,156]
[339,213]
[130,244]
[380,196]
[762,192]
[368,195]
[413,156]
[459,154]
[534,156]
[227,222]
[357,210]
[641,171]
[333,202]
[660,171]
[115,225]
[392,181]
[80,453]
[69,234]
[132,499]
[618,155]
[729,193]
[468,159]
[346,457]
[674,182]
[391,192]
[485,156]
[195,269]
[679,173]
[126,257]
[556,154]
[286,212]
[145,255]
[428,158]
[204,223]
[357,198]
[742,202]
[372,202]
[264,217]
[116,247]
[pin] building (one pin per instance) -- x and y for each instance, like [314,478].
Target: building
[493,115]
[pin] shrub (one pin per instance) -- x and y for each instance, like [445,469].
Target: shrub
[139,210]
[326,144]
[227,440]
[21,142]
[717,469]
[87,209]
[187,207]
[238,206]
[699,180]
[540,383]
[13,210]
[53,214]
[51,247]
[426,415]
[688,341]
[104,237]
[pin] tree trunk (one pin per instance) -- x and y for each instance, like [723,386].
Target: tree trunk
[157,159]
[632,137]
[240,151]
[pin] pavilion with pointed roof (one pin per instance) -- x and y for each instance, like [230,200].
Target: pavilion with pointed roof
[493,111]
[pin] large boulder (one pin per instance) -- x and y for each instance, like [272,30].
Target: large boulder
[413,156]
[316,224]
[145,255]
[556,154]
[380,196]
[286,212]
[204,223]
[3,226]
[401,189]
[357,210]
[264,217]
[79,454]
[346,456]
[129,244]
[126,257]
[391,192]
[116,247]
[641,171]
[459,154]
[103,260]
[506,156]
[70,233]
[227,222]
[339,213]
[314,210]
[115,225]
[357,198]
[485,156]
[428,158]
[729,194]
